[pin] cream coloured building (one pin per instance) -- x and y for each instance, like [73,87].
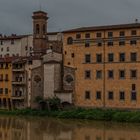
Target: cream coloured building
[16,45]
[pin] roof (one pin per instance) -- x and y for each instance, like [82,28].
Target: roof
[39,11]
[52,62]
[52,33]
[4,37]
[106,27]
[26,58]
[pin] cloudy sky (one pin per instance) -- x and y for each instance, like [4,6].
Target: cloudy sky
[15,15]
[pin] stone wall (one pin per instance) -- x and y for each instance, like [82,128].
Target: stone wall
[37,85]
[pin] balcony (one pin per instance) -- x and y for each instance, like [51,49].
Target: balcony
[18,82]
[18,97]
[18,70]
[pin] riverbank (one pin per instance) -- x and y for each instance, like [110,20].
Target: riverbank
[89,114]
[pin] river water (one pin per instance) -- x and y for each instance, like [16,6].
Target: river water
[21,128]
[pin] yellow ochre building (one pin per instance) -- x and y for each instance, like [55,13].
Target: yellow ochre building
[107,62]
[5,82]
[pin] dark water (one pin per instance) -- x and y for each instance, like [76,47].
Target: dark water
[20,128]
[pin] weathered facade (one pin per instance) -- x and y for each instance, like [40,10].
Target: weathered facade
[5,83]
[107,63]
[16,45]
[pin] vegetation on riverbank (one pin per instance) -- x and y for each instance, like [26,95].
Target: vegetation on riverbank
[89,114]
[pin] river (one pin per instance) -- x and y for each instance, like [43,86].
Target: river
[33,128]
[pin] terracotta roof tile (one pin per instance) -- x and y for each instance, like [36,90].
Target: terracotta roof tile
[106,27]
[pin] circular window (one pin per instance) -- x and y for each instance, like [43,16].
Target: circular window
[69,79]
[37,79]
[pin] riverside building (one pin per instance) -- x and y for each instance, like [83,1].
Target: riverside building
[107,63]
[35,67]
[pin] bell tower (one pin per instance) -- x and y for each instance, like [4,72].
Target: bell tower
[39,30]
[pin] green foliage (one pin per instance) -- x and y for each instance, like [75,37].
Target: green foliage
[38,99]
[54,103]
[79,113]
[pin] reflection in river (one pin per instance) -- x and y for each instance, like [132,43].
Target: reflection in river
[15,128]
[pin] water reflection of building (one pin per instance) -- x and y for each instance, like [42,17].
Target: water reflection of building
[12,129]
[49,129]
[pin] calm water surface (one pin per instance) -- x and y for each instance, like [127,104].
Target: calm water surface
[20,128]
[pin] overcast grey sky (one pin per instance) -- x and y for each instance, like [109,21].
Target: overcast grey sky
[15,15]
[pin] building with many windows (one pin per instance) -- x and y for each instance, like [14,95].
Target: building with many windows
[107,62]
[5,83]
[35,67]
[16,45]
[99,66]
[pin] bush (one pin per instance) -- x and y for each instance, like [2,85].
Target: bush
[54,103]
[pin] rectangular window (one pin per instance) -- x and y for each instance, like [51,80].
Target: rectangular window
[6,90]
[1,66]
[122,95]
[99,43]
[133,95]
[110,57]
[133,42]
[121,43]
[87,35]
[1,77]
[122,33]
[7,49]
[134,32]
[133,73]
[133,87]
[87,44]
[6,77]
[110,95]
[110,43]
[72,55]
[87,95]
[87,58]
[1,90]
[110,74]
[78,36]
[110,34]
[133,57]
[122,74]
[12,41]
[6,66]
[98,35]
[26,48]
[98,95]
[122,57]
[98,58]
[1,42]
[87,74]
[98,74]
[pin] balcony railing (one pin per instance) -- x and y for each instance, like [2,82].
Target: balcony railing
[18,82]
[18,97]
[18,69]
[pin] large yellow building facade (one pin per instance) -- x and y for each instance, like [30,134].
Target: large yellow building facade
[5,83]
[107,62]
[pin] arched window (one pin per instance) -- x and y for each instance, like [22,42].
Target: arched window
[44,28]
[37,29]
[69,40]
